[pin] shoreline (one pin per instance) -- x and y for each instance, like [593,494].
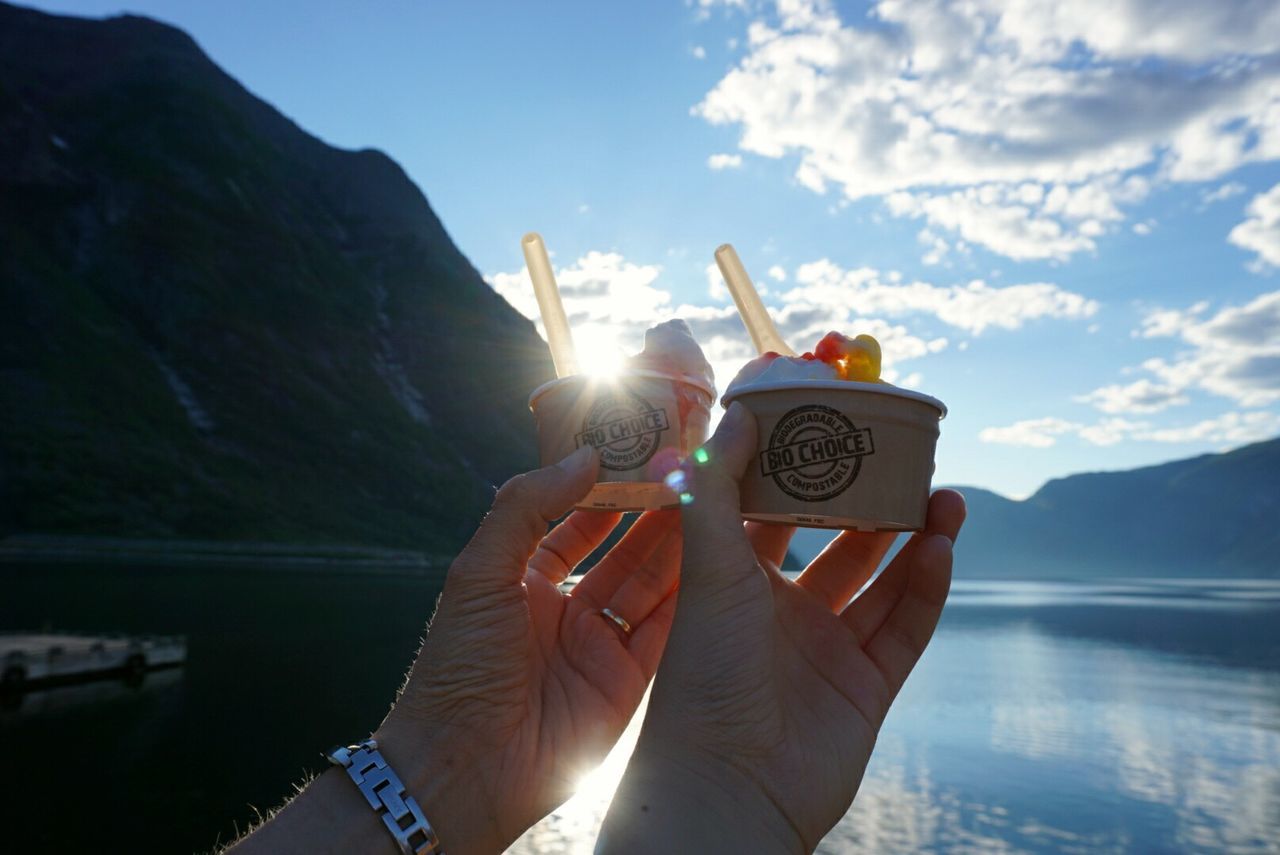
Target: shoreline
[295,557]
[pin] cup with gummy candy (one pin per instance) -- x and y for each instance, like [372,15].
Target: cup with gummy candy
[837,447]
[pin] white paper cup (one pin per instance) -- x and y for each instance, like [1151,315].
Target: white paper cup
[840,454]
[642,422]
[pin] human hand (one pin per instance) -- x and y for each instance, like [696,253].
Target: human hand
[771,692]
[520,688]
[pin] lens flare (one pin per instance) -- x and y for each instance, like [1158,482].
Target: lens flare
[678,482]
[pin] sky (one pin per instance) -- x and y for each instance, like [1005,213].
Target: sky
[1062,219]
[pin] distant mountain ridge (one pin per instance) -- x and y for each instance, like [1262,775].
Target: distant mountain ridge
[1215,515]
[1211,515]
[213,325]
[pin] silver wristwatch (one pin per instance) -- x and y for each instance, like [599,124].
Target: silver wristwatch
[385,793]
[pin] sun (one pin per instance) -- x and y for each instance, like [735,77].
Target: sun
[595,789]
[600,352]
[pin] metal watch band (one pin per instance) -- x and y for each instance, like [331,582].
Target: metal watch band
[385,793]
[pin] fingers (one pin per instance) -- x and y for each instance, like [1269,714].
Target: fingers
[570,542]
[716,550]
[508,536]
[770,541]
[897,644]
[632,552]
[642,591]
[867,613]
[845,566]
[649,638]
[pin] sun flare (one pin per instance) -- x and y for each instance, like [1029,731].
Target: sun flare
[600,353]
[595,789]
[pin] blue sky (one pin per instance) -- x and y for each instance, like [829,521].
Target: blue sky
[1062,219]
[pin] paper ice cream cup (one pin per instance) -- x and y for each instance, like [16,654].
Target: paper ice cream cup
[840,454]
[643,423]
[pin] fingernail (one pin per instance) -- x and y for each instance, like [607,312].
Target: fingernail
[578,461]
[733,419]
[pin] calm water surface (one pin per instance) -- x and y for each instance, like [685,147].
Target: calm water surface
[1139,716]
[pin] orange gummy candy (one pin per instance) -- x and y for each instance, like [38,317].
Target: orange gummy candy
[853,358]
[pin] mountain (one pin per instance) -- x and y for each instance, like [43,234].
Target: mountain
[213,325]
[1214,515]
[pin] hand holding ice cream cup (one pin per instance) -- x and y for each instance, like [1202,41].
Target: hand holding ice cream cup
[643,421]
[837,446]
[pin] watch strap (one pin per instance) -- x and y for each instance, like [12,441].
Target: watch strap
[385,793]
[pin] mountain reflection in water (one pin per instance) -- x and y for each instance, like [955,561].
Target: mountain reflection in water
[91,692]
[1139,715]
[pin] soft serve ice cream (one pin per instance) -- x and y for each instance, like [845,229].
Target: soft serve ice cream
[642,422]
[837,446]
[670,348]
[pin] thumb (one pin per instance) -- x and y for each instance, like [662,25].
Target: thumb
[714,540]
[522,509]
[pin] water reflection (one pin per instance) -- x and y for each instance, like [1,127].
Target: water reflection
[53,700]
[1128,716]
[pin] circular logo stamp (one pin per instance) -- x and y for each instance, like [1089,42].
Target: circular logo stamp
[625,428]
[815,453]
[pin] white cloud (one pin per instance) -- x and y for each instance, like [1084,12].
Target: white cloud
[1181,30]
[801,324]
[973,307]
[777,273]
[599,285]
[1260,231]
[1234,353]
[1111,431]
[1032,433]
[1230,428]
[1166,322]
[1222,192]
[698,52]
[716,287]
[1140,396]
[938,248]
[724,161]
[610,301]
[979,112]
[1021,222]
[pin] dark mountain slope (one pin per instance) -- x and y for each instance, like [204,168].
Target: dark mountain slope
[214,325]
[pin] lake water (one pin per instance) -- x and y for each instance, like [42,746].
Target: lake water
[1137,716]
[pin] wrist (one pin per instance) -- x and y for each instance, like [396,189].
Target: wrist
[439,776]
[680,800]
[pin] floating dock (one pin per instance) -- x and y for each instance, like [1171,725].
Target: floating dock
[34,659]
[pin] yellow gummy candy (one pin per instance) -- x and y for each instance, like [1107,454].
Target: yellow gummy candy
[853,358]
[861,360]
[868,367]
